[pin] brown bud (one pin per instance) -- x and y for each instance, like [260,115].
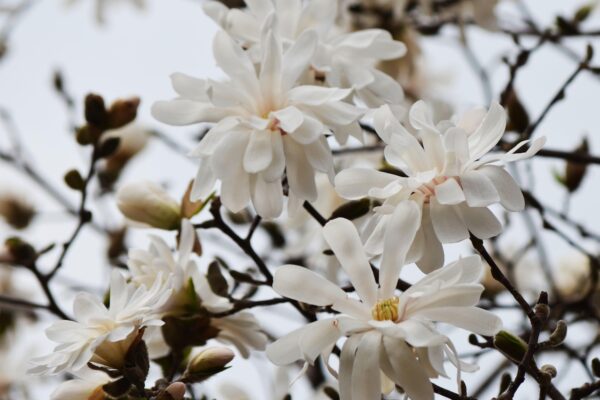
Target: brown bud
[95,111]
[74,180]
[122,112]
[575,172]
[20,252]
[16,211]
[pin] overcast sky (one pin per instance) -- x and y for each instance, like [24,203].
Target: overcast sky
[135,52]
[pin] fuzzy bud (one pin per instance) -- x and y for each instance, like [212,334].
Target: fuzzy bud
[150,205]
[559,334]
[207,363]
[512,346]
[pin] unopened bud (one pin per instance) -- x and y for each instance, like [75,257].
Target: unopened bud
[549,370]
[19,251]
[542,311]
[559,334]
[148,204]
[512,346]
[122,112]
[16,211]
[210,359]
[207,363]
[176,390]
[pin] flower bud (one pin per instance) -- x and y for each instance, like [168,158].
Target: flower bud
[512,346]
[207,363]
[549,370]
[559,334]
[176,390]
[122,112]
[148,204]
[19,251]
[17,212]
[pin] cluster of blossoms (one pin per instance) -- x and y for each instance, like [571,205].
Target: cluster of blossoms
[163,290]
[297,87]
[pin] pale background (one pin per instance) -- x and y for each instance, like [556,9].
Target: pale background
[134,53]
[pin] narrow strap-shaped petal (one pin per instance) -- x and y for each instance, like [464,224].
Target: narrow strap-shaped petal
[472,319]
[489,132]
[304,285]
[401,231]
[366,382]
[405,369]
[447,222]
[510,193]
[343,238]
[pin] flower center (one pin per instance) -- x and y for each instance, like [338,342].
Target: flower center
[428,189]
[386,310]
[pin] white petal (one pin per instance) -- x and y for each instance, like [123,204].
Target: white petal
[366,383]
[270,67]
[479,190]
[286,350]
[300,174]
[275,170]
[232,59]
[319,156]
[449,192]
[309,131]
[322,335]
[510,193]
[399,237]
[406,371]
[343,238]
[421,117]
[297,58]
[302,284]
[317,95]
[346,367]
[258,154]
[290,118]
[235,192]
[480,221]
[355,183]
[433,254]
[472,319]
[489,132]
[267,197]
[185,112]
[447,223]
[204,182]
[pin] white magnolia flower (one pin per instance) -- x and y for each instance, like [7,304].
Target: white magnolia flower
[87,385]
[344,60]
[389,333]
[99,334]
[448,172]
[266,124]
[150,267]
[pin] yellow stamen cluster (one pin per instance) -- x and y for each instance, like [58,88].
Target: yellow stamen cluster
[386,310]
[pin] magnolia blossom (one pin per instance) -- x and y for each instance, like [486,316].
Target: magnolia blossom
[448,173]
[87,385]
[153,266]
[265,124]
[99,334]
[389,333]
[345,60]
